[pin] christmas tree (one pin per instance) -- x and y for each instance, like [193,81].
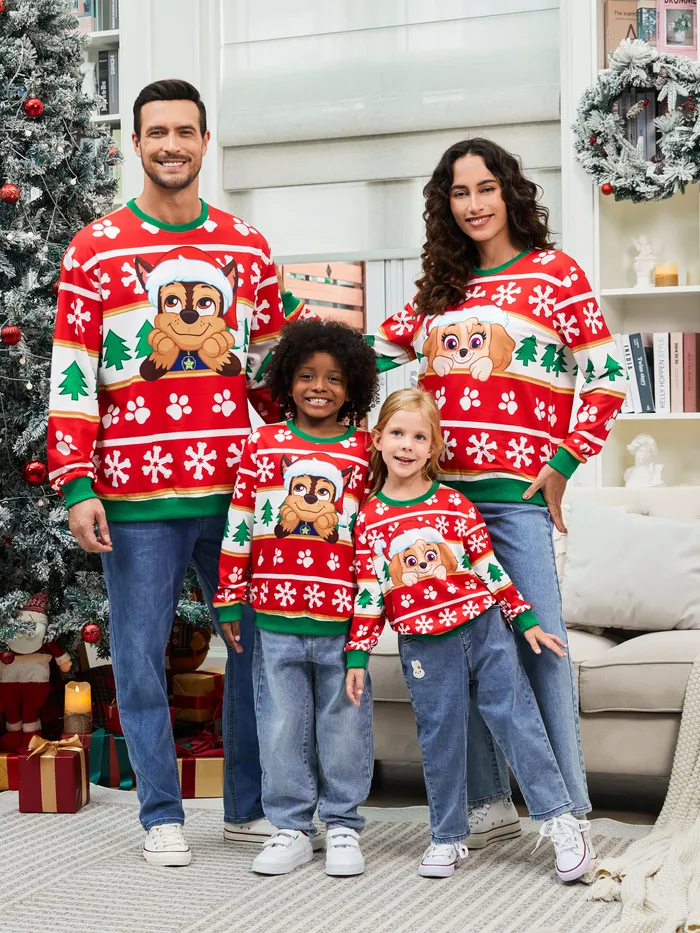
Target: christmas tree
[559,364]
[495,573]
[613,369]
[364,599]
[590,371]
[267,513]
[242,535]
[115,350]
[527,351]
[549,357]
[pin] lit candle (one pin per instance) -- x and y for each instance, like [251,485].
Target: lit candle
[665,273]
[77,715]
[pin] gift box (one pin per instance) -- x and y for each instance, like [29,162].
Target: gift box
[53,777]
[200,763]
[102,691]
[109,760]
[198,696]
[9,771]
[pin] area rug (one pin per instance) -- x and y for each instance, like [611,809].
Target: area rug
[84,873]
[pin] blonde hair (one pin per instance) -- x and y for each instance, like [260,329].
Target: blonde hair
[408,400]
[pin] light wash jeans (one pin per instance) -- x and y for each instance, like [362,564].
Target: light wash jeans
[144,574]
[522,540]
[481,659]
[316,747]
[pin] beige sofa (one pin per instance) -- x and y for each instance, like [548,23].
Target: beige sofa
[631,684]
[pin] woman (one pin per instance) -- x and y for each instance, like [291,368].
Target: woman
[501,324]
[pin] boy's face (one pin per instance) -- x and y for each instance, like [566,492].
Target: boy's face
[319,388]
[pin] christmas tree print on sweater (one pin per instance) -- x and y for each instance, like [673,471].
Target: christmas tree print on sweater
[428,566]
[503,366]
[288,543]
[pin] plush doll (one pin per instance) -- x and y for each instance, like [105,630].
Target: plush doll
[24,675]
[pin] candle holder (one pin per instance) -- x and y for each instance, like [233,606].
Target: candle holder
[77,723]
[77,714]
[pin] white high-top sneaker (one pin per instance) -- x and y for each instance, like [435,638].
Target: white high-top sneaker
[165,846]
[490,822]
[440,860]
[568,834]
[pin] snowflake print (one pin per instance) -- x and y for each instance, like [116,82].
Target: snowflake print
[314,596]
[470,399]
[350,442]
[593,317]
[461,527]
[137,411]
[546,452]
[259,315]
[455,498]
[101,279]
[263,593]
[305,558]
[64,443]
[403,629]
[508,403]
[255,273]
[277,557]
[381,508]
[544,300]
[362,630]
[131,278]
[333,563]
[584,447]
[490,601]
[68,261]
[430,593]
[155,464]
[478,542]
[105,228]
[239,488]
[566,327]
[448,617]
[376,541]
[78,317]
[266,469]
[544,257]
[476,291]
[235,576]
[200,460]
[342,601]
[236,454]
[283,435]
[403,322]
[440,398]
[449,443]
[587,413]
[482,448]
[111,416]
[356,566]
[179,406]
[424,625]
[442,524]
[540,409]
[471,609]
[519,451]
[285,593]
[355,478]
[406,600]
[223,403]
[243,228]
[370,564]
[506,293]
[552,413]
[116,467]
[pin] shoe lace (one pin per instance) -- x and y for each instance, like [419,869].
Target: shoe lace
[283,837]
[478,814]
[169,834]
[343,838]
[445,850]
[564,833]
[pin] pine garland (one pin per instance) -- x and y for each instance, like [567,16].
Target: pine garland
[599,135]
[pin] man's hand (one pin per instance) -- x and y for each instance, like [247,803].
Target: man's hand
[232,635]
[82,518]
[536,636]
[553,485]
[354,684]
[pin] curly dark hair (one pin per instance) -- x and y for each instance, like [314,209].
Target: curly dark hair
[346,345]
[449,256]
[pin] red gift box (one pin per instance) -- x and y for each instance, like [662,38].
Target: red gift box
[198,696]
[53,777]
[9,771]
[200,761]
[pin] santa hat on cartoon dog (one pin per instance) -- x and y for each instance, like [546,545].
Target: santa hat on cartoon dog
[318,465]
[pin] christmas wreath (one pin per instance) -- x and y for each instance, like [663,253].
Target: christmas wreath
[602,143]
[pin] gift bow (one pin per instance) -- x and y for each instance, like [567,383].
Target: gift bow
[199,745]
[47,750]
[41,746]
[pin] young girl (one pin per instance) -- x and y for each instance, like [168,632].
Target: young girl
[426,561]
[289,538]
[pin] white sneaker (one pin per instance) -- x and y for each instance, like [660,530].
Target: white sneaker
[490,822]
[257,831]
[440,861]
[283,852]
[587,837]
[165,846]
[572,853]
[343,853]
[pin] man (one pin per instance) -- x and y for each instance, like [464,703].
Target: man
[167,311]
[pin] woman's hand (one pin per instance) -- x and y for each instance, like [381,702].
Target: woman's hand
[536,636]
[231,632]
[553,485]
[354,684]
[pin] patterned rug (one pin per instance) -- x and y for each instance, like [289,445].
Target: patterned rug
[85,874]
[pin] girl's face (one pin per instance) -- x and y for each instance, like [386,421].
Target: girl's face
[476,200]
[405,444]
[319,388]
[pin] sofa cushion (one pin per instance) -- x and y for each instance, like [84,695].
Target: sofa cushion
[646,674]
[631,571]
[583,646]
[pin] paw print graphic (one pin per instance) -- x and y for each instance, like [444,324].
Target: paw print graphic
[470,399]
[508,403]
[430,593]
[406,600]
[223,403]
[111,416]
[283,435]
[333,562]
[105,228]
[64,443]
[137,411]
[540,409]
[305,558]
[440,398]
[571,277]
[178,406]
[277,558]
[243,228]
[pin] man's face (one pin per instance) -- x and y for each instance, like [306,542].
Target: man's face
[171,144]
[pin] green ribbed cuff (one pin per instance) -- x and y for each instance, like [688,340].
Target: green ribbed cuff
[78,490]
[289,303]
[525,620]
[231,612]
[356,658]
[564,462]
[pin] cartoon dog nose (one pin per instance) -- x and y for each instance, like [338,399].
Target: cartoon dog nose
[463,351]
[311,499]
[423,564]
[189,315]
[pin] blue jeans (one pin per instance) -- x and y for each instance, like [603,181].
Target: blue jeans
[522,540]
[144,574]
[440,673]
[316,747]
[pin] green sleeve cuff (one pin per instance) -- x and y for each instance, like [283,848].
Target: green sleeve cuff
[525,620]
[356,658]
[564,462]
[233,612]
[384,363]
[289,303]
[78,490]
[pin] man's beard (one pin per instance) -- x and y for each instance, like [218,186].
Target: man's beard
[172,183]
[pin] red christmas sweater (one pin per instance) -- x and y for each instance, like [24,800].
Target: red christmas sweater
[289,530]
[427,564]
[503,367]
[162,334]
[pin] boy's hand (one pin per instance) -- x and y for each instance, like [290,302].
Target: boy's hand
[536,637]
[232,635]
[354,684]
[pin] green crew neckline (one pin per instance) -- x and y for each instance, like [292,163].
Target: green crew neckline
[320,440]
[506,265]
[404,503]
[171,228]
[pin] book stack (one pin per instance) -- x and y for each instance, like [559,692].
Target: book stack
[96,15]
[663,372]
[108,80]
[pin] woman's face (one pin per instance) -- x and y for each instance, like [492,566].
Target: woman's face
[476,200]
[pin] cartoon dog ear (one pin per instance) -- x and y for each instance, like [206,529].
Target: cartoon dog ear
[449,561]
[347,476]
[430,345]
[396,570]
[230,270]
[501,348]
[285,463]
[142,269]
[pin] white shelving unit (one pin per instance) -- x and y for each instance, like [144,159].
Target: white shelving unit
[599,231]
[100,41]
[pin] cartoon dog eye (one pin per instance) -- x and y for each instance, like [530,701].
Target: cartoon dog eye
[299,489]
[476,341]
[206,306]
[411,561]
[323,493]
[431,555]
[450,342]
[172,303]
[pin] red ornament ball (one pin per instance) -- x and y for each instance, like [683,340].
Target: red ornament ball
[10,193]
[593,140]
[7,657]
[10,335]
[35,473]
[54,287]
[91,633]
[113,156]
[2,6]
[607,188]
[33,107]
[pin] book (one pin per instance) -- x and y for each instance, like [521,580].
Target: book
[620,22]
[627,405]
[113,14]
[103,80]
[691,354]
[662,374]
[113,79]
[677,27]
[676,355]
[646,21]
[629,366]
[642,373]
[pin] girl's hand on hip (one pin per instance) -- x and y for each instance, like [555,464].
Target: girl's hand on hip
[231,632]
[354,684]
[553,485]
[535,637]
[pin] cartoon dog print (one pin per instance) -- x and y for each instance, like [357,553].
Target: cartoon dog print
[474,340]
[192,295]
[418,553]
[314,487]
